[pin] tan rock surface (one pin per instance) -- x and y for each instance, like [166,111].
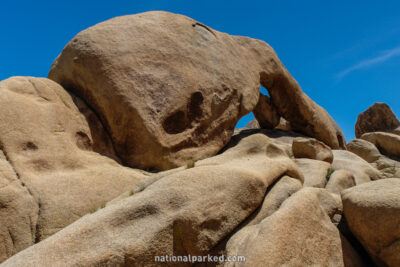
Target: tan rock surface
[364,149]
[372,211]
[173,89]
[253,124]
[312,149]
[388,167]
[18,212]
[339,181]
[362,171]
[385,162]
[314,172]
[387,143]
[102,142]
[377,118]
[276,195]
[265,113]
[283,125]
[300,233]
[284,139]
[187,212]
[304,115]
[48,143]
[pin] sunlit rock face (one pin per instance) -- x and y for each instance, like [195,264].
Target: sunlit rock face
[170,90]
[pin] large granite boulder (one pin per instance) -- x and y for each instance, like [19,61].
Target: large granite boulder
[372,211]
[312,149]
[187,212]
[170,90]
[340,180]
[49,174]
[364,149]
[299,233]
[377,118]
[265,113]
[314,171]
[361,170]
[387,143]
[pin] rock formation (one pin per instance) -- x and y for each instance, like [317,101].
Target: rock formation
[176,215]
[312,149]
[339,181]
[374,218]
[387,143]
[170,90]
[278,240]
[158,91]
[364,149]
[51,177]
[314,171]
[265,113]
[362,171]
[377,118]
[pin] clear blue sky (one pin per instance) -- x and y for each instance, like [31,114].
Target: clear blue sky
[344,54]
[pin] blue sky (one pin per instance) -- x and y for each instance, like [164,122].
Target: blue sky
[344,54]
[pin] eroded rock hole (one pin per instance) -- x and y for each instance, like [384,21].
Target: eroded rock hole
[83,141]
[183,119]
[194,107]
[249,120]
[30,146]
[175,123]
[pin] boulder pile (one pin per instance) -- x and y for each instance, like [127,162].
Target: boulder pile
[127,155]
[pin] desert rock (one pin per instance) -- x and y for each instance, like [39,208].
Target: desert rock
[265,113]
[102,142]
[173,89]
[300,233]
[49,146]
[187,212]
[253,124]
[361,170]
[364,149]
[387,143]
[283,125]
[351,258]
[340,180]
[314,171]
[312,149]
[372,211]
[18,212]
[377,118]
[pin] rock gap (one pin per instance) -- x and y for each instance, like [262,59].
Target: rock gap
[250,116]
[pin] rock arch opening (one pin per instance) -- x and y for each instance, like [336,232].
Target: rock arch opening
[250,120]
